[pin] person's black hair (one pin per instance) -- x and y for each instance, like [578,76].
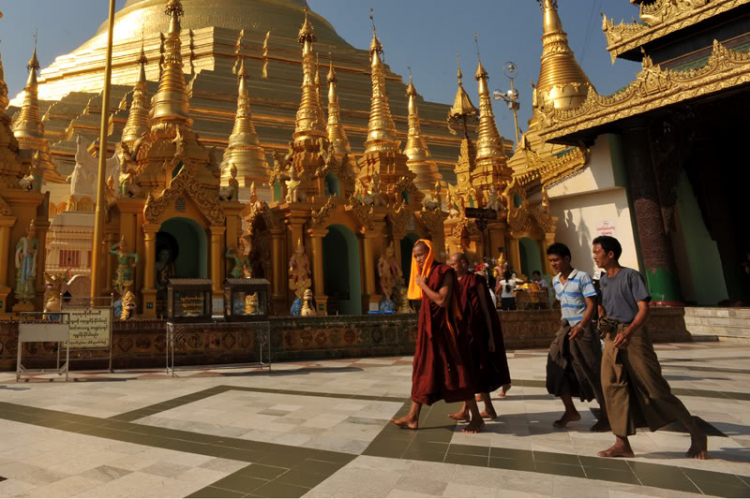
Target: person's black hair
[536,272]
[558,249]
[609,243]
[507,277]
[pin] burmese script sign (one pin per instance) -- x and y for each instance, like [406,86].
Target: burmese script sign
[90,327]
[606,228]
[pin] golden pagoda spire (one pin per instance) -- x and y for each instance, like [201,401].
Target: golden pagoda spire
[336,133]
[3,86]
[491,157]
[321,112]
[310,122]
[561,79]
[28,126]
[170,104]
[381,131]
[244,151]
[420,162]
[138,120]
[463,109]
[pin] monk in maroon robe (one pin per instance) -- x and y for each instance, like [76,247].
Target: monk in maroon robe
[440,370]
[489,362]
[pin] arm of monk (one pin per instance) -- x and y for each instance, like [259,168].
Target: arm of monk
[487,318]
[622,340]
[442,296]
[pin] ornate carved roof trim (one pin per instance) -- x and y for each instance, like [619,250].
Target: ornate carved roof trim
[555,169]
[653,88]
[661,18]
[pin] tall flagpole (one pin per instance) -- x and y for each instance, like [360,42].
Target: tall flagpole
[98,241]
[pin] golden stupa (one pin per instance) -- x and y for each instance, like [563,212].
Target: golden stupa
[69,89]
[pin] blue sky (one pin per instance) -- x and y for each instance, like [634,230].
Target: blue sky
[423,34]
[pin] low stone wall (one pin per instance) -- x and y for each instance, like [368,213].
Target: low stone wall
[142,343]
[723,324]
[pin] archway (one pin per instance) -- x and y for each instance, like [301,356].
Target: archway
[531,259]
[407,244]
[341,273]
[186,239]
[332,185]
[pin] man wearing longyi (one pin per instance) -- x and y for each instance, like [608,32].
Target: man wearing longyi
[440,370]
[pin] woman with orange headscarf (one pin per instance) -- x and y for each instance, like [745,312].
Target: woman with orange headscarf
[440,370]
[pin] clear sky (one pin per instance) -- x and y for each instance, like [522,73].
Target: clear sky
[423,34]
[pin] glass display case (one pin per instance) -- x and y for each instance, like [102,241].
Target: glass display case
[189,300]
[247,300]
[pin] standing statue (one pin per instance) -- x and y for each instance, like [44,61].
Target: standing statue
[126,174]
[501,266]
[33,181]
[52,291]
[492,200]
[128,306]
[26,253]
[124,276]
[292,185]
[299,276]
[232,191]
[165,268]
[390,277]
[239,262]
[251,304]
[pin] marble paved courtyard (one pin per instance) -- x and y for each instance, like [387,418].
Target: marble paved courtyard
[320,429]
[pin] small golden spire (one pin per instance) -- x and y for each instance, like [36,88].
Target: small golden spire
[170,103]
[489,141]
[463,109]
[336,134]
[138,120]
[3,87]
[420,161]
[321,112]
[310,122]
[244,151]
[29,123]
[561,79]
[381,132]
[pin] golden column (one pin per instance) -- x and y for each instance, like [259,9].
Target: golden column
[515,254]
[6,224]
[96,246]
[278,284]
[110,265]
[545,243]
[217,259]
[149,278]
[317,235]
[42,225]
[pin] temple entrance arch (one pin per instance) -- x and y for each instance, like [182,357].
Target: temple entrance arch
[187,242]
[341,270]
[531,259]
[407,244]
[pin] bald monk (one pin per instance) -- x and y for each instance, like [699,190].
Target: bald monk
[440,370]
[636,393]
[489,363]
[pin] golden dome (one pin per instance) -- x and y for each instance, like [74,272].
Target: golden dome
[561,79]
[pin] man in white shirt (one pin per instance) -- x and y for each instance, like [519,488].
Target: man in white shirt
[506,288]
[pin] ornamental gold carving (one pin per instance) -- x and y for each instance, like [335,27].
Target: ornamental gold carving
[362,212]
[320,217]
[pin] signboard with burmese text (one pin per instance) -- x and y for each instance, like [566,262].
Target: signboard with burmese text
[90,327]
[606,228]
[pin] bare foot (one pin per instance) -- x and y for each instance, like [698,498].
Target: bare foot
[617,450]
[460,416]
[698,446]
[475,426]
[478,397]
[407,422]
[504,391]
[488,414]
[566,418]
[600,426]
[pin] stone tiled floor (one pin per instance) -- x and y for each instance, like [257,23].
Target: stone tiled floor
[320,429]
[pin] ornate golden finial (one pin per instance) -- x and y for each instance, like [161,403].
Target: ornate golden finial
[238,51]
[170,103]
[138,120]
[561,79]
[3,86]
[265,54]
[336,134]
[317,86]
[310,120]
[244,152]
[29,123]
[463,109]
[381,132]
[491,158]
[420,161]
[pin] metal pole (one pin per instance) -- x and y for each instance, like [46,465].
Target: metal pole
[515,110]
[96,255]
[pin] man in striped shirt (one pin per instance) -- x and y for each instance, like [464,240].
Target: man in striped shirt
[574,362]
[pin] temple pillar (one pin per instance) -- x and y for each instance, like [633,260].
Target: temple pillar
[655,245]
[217,259]
[514,254]
[232,211]
[397,238]
[371,299]
[278,281]
[42,227]
[149,277]
[317,235]
[477,248]
[6,224]
[544,244]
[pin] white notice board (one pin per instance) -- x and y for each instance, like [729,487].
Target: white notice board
[90,327]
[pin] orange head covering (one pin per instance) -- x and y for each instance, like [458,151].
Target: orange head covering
[415,292]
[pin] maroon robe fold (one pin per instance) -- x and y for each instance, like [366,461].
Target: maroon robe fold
[441,370]
[490,369]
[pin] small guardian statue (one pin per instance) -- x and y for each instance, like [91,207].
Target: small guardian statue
[25,260]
